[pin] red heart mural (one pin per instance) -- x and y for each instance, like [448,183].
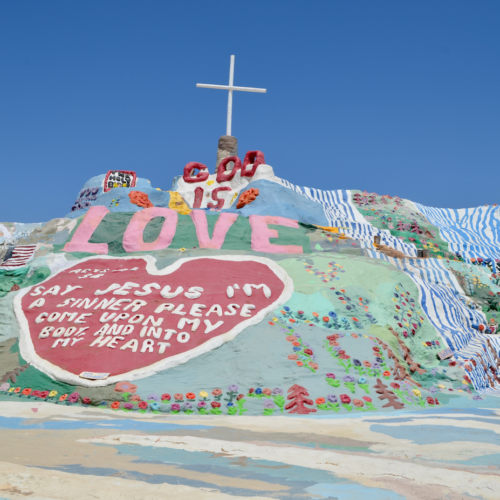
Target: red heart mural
[124,317]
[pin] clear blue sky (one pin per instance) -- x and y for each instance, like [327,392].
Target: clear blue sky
[400,98]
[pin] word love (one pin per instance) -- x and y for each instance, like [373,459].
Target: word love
[124,317]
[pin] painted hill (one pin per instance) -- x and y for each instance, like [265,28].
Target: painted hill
[239,292]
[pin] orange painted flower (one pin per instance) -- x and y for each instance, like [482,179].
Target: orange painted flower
[271,323]
[17,389]
[291,338]
[326,319]
[355,319]
[334,343]
[299,363]
[266,391]
[26,392]
[358,403]
[387,373]
[291,320]
[293,357]
[190,395]
[115,405]
[315,315]
[125,387]
[296,344]
[64,397]
[320,401]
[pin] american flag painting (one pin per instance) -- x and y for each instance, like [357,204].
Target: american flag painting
[21,255]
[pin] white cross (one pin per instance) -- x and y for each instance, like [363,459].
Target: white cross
[230,87]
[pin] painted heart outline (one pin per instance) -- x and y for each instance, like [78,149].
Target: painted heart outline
[216,275]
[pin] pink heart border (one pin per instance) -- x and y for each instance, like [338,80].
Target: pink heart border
[30,355]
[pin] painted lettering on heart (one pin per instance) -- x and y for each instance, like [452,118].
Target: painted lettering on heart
[125,317]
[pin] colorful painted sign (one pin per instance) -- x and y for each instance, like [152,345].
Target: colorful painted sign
[119,178]
[124,317]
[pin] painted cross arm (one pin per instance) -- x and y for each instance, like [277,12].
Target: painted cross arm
[227,87]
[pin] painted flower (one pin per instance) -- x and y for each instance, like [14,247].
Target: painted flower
[326,319]
[320,401]
[348,379]
[202,404]
[266,391]
[115,405]
[330,375]
[308,351]
[258,390]
[452,363]
[345,398]
[125,387]
[216,392]
[356,362]
[430,400]
[477,397]
[178,396]
[233,388]
[367,364]
[395,385]
[86,401]
[73,397]
[166,397]
[4,386]
[313,365]
[176,407]
[45,394]
[417,393]
[354,335]
[367,399]
[64,397]
[299,363]
[251,390]
[379,360]
[292,357]
[291,338]
[358,403]
[277,391]
[135,397]
[26,392]
[143,405]
[296,344]
[387,373]
[153,396]
[362,380]
[215,404]
[128,406]
[315,314]
[332,398]
[239,396]
[17,390]
[375,365]
[52,394]
[269,405]
[35,393]
[186,406]
[191,395]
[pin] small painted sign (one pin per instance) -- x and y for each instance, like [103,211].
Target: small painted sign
[94,376]
[445,354]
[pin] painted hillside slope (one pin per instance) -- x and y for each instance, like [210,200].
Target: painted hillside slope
[238,292]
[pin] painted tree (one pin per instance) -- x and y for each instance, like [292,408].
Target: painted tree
[298,398]
[385,393]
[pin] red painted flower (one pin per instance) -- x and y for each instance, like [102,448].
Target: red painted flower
[271,323]
[291,320]
[17,389]
[299,363]
[326,319]
[345,399]
[344,356]
[240,396]
[266,391]
[215,404]
[165,397]
[115,405]
[44,394]
[36,394]
[135,397]
[387,373]
[296,344]
[143,405]
[308,351]
[452,363]
[190,395]
[367,399]
[86,401]
[395,385]
[430,400]
[251,390]
[341,352]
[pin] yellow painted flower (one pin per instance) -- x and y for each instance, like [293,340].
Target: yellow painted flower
[275,319]
[11,389]
[394,300]
[464,382]
[417,393]
[203,394]
[209,183]
[441,386]
[307,321]
[182,249]
[52,394]
[397,288]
